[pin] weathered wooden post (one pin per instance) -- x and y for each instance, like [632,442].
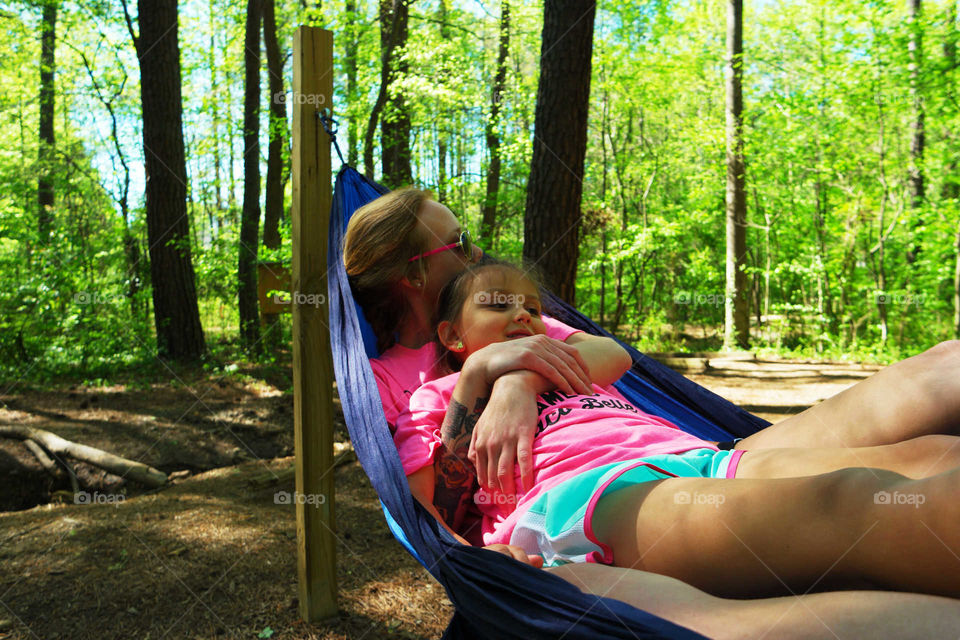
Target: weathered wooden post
[312,361]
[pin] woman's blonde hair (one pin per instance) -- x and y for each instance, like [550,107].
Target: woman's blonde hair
[380,240]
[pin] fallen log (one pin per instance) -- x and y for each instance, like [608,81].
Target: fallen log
[47,463]
[116,465]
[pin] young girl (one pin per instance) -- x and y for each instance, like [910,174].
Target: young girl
[615,485]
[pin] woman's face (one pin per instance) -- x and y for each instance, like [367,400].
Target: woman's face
[439,227]
[502,305]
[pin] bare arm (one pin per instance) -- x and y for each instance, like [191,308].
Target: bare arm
[422,487]
[606,359]
[504,433]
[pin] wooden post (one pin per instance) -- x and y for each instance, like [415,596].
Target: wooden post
[312,361]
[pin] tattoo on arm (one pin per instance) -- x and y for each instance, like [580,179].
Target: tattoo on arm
[456,483]
[458,425]
[456,479]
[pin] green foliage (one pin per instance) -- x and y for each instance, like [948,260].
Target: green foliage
[828,117]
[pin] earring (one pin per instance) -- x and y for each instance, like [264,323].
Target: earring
[460,346]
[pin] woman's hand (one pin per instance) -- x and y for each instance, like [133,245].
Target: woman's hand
[559,363]
[496,420]
[517,554]
[503,436]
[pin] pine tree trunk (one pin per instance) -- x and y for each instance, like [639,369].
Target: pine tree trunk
[737,318]
[45,192]
[250,216]
[441,130]
[880,248]
[387,47]
[215,115]
[493,135]
[395,123]
[956,286]
[552,220]
[273,204]
[916,177]
[951,182]
[604,134]
[350,43]
[176,315]
[442,172]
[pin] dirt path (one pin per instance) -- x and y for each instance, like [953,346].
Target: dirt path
[213,555]
[777,389]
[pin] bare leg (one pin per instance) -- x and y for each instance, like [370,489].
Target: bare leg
[847,614]
[738,538]
[915,397]
[916,458]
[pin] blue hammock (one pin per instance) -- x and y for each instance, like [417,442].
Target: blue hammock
[496,596]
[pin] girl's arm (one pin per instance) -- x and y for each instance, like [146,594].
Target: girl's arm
[606,359]
[422,487]
[503,436]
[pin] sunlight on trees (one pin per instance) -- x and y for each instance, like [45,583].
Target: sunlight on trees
[850,114]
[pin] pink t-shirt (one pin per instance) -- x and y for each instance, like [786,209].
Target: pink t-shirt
[400,370]
[575,433]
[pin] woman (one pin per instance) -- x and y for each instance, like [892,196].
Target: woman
[402,248]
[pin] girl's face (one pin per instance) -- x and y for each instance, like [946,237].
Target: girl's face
[501,305]
[439,227]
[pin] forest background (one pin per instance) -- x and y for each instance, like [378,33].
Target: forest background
[850,145]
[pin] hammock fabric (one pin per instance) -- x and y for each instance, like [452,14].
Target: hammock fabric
[496,596]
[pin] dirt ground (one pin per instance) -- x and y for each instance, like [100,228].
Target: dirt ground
[212,554]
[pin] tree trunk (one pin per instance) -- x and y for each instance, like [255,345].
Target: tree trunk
[386,61]
[552,221]
[350,43]
[493,135]
[45,193]
[737,319]
[250,217]
[951,182]
[440,128]
[395,123]
[916,178]
[215,114]
[273,204]
[442,172]
[604,134]
[880,248]
[177,318]
[956,287]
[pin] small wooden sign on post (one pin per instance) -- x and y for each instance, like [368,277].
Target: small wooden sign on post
[273,288]
[312,360]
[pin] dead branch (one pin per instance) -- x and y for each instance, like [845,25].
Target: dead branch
[51,467]
[56,445]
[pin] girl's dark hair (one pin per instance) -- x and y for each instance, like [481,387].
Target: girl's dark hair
[454,294]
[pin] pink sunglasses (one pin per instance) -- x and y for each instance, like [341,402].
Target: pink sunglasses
[465,243]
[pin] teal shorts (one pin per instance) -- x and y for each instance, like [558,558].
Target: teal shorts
[557,526]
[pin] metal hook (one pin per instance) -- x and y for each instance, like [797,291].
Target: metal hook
[331,126]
